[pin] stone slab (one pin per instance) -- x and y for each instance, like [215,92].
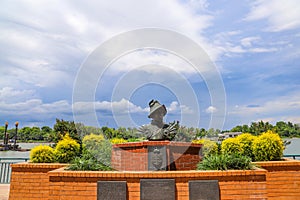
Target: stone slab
[157,158]
[111,190]
[157,189]
[204,190]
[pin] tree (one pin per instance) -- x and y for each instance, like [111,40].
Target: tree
[200,133]
[109,133]
[2,132]
[24,134]
[36,133]
[61,128]
[47,133]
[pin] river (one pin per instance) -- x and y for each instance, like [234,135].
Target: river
[20,154]
[293,148]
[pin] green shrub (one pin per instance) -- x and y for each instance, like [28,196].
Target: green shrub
[92,140]
[209,147]
[42,154]
[118,140]
[66,149]
[267,147]
[225,162]
[246,141]
[231,146]
[98,147]
[135,139]
[87,162]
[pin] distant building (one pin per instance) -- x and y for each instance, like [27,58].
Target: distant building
[223,136]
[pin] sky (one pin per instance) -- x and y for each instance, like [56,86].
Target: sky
[213,64]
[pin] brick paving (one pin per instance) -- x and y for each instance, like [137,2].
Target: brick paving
[4,191]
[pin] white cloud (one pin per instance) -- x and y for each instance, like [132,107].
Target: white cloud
[279,15]
[34,110]
[229,45]
[124,106]
[135,60]
[247,42]
[211,109]
[283,108]
[45,43]
[118,107]
[38,73]
[35,107]
[8,94]
[175,108]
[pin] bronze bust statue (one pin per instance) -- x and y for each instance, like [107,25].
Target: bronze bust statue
[158,130]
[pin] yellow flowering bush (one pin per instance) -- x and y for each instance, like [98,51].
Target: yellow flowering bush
[118,141]
[246,141]
[267,147]
[231,146]
[67,149]
[42,154]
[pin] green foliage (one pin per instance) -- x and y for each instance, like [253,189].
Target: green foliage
[287,129]
[225,162]
[92,140]
[27,134]
[284,129]
[246,141]
[66,149]
[42,154]
[78,130]
[118,141]
[98,147]
[61,128]
[231,146]
[2,132]
[267,147]
[135,139]
[87,162]
[209,147]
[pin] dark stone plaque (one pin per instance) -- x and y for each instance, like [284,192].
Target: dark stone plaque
[111,190]
[157,158]
[157,189]
[204,190]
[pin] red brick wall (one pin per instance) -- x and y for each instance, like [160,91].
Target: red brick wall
[283,179]
[133,156]
[30,181]
[234,184]
[49,181]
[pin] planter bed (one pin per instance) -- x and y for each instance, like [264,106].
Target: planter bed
[31,180]
[283,179]
[53,182]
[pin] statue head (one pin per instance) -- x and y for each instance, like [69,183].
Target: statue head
[156,108]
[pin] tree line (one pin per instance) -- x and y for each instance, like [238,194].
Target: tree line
[78,130]
[284,129]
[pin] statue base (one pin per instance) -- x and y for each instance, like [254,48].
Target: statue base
[155,156]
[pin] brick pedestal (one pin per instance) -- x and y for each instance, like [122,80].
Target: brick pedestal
[133,156]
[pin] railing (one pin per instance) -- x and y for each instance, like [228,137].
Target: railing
[5,169]
[294,156]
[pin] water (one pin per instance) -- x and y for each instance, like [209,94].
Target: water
[20,154]
[293,148]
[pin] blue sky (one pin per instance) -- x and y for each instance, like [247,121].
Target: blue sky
[253,46]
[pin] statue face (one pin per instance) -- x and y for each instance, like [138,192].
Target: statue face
[158,115]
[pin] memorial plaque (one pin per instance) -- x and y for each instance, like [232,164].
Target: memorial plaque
[157,158]
[157,189]
[204,190]
[111,190]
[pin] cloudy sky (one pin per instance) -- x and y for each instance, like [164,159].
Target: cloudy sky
[52,61]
